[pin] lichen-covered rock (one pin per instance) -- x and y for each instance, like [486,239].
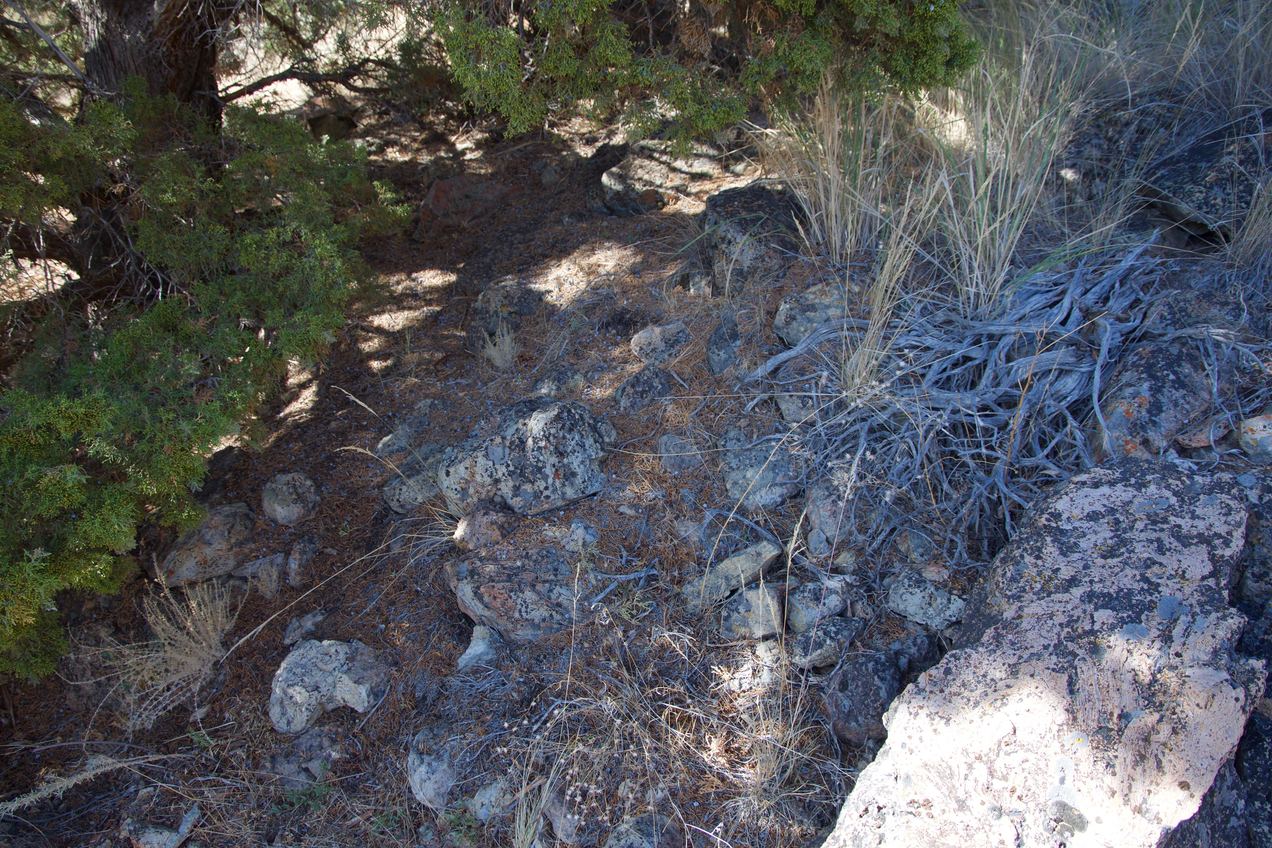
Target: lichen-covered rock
[432,768]
[543,454]
[811,602]
[760,477]
[748,233]
[658,343]
[320,676]
[825,643]
[415,480]
[723,344]
[801,312]
[521,595]
[752,614]
[210,550]
[678,455]
[730,574]
[638,391]
[1155,391]
[289,498]
[648,831]
[914,597]
[1096,690]
[484,526]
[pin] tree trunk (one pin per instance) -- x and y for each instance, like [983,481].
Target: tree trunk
[170,45]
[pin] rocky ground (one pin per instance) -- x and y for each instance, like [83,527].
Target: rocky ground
[559,545]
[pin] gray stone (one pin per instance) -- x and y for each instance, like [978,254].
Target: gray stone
[826,643]
[752,614]
[543,455]
[1094,691]
[828,518]
[431,767]
[646,831]
[306,759]
[761,477]
[301,554]
[658,343]
[210,550]
[483,649]
[857,695]
[646,386]
[1154,393]
[289,498]
[723,345]
[812,602]
[492,801]
[1255,436]
[560,383]
[678,455]
[415,481]
[485,526]
[523,595]
[580,537]
[914,597]
[320,676]
[749,233]
[264,574]
[730,575]
[802,312]
[302,626]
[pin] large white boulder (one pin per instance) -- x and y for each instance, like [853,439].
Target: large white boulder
[1097,690]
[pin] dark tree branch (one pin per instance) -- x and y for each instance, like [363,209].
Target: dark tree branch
[48,39]
[344,76]
[40,244]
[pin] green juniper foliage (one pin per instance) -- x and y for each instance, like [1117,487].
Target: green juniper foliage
[106,419]
[700,73]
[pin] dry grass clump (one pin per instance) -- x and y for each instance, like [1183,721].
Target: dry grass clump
[188,630]
[500,348]
[747,764]
[962,384]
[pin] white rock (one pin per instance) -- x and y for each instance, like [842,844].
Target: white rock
[1097,691]
[483,649]
[320,676]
